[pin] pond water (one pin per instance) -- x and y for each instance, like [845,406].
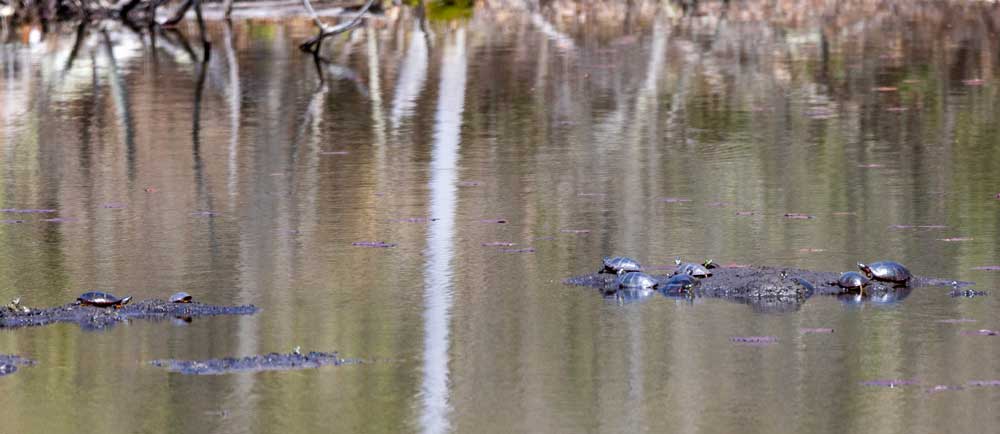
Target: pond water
[235,174]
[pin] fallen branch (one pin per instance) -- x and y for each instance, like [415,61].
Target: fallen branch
[313,44]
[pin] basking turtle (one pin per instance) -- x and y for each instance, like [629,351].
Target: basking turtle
[634,280]
[620,263]
[181,297]
[102,299]
[853,280]
[886,271]
[695,270]
[680,283]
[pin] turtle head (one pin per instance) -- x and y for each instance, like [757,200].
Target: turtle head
[865,269]
[709,263]
[125,300]
[677,260]
[783,274]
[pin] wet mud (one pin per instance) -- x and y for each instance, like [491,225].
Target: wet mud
[771,289]
[91,317]
[265,362]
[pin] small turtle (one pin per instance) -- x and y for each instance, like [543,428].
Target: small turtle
[853,280]
[620,263]
[680,283]
[102,299]
[181,297]
[695,270]
[886,271]
[636,279]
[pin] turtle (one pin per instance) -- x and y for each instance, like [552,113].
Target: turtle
[886,271]
[102,299]
[680,283]
[635,280]
[612,265]
[695,270]
[181,297]
[853,280]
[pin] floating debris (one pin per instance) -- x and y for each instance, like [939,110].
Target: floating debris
[815,330]
[266,362]
[898,226]
[885,89]
[980,332]
[811,250]
[205,214]
[674,200]
[113,205]
[974,82]
[12,221]
[524,250]
[754,340]
[415,220]
[575,231]
[469,183]
[798,216]
[150,189]
[334,153]
[376,244]
[956,239]
[871,166]
[27,211]
[985,383]
[896,109]
[890,383]
[970,293]
[744,213]
[10,362]
[499,244]
[987,268]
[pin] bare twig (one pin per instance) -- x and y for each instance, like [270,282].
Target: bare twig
[313,44]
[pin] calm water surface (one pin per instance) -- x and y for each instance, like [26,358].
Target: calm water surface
[646,134]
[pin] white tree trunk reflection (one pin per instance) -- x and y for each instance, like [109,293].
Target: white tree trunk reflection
[438,281]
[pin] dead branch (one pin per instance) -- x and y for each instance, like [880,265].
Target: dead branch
[313,44]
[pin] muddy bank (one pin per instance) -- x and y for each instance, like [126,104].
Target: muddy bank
[10,362]
[266,362]
[764,287]
[91,317]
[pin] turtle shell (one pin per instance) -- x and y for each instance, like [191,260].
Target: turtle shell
[680,282]
[181,297]
[696,270]
[852,280]
[886,271]
[102,299]
[620,263]
[636,280]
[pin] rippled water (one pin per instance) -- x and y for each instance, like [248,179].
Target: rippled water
[236,175]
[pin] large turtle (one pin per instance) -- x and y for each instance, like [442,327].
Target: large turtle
[693,269]
[886,271]
[102,299]
[680,283]
[635,280]
[612,265]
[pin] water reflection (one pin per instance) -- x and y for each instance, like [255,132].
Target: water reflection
[434,390]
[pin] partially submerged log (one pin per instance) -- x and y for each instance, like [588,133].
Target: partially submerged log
[265,362]
[91,317]
[770,287]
